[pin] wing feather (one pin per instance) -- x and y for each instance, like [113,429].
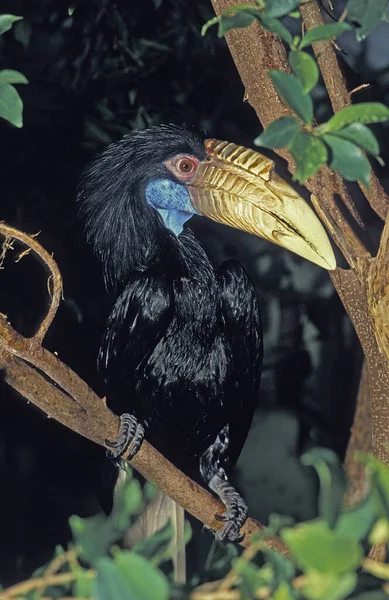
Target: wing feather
[137,323]
[243,330]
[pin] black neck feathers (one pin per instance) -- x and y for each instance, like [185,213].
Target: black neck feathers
[126,233]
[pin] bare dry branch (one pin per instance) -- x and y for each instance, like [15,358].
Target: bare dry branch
[55,279]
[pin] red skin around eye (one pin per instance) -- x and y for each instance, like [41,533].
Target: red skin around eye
[173,164]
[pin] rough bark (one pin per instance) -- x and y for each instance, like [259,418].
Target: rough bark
[360,441]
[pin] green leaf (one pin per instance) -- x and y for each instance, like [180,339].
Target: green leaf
[283,568]
[279,133]
[333,483]
[323,32]
[365,112]
[128,501]
[309,153]
[367,14]
[240,20]
[96,534]
[83,584]
[242,15]
[276,27]
[276,523]
[348,159]
[6,22]
[305,68]
[362,136]
[10,76]
[328,586]
[143,581]
[109,583]
[290,89]
[357,522]
[284,592]
[251,577]
[380,476]
[36,595]
[11,105]
[315,546]
[22,33]
[236,16]
[280,8]
[150,491]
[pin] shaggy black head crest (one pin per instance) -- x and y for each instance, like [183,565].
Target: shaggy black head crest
[126,233]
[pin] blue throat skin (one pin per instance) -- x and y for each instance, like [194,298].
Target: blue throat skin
[172,200]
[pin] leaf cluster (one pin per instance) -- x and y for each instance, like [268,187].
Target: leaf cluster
[11,105]
[327,554]
[344,140]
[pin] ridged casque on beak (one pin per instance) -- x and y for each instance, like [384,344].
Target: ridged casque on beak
[238,187]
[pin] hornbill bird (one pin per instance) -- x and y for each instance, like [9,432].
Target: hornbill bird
[182,350]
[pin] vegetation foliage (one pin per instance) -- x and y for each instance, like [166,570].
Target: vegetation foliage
[344,139]
[327,559]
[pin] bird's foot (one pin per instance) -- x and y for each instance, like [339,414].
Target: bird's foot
[236,510]
[130,431]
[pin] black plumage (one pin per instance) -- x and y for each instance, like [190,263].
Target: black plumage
[182,351]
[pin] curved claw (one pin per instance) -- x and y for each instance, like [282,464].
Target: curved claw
[230,534]
[236,510]
[221,518]
[130,431]
[113,444]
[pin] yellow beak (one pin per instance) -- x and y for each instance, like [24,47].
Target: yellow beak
[238,187]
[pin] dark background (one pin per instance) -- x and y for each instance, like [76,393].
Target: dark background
[97,70]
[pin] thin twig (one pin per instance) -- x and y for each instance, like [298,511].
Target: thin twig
[56,280]
[359,87]
[36,582]
[54,567]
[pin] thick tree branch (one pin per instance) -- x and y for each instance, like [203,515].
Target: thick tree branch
[353,296]
[360,441]
[45,381]
[378,292]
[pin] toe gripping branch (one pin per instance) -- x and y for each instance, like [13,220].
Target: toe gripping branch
[131,431]
[236,509]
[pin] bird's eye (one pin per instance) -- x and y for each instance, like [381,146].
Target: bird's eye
[182,166]
[186,166]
